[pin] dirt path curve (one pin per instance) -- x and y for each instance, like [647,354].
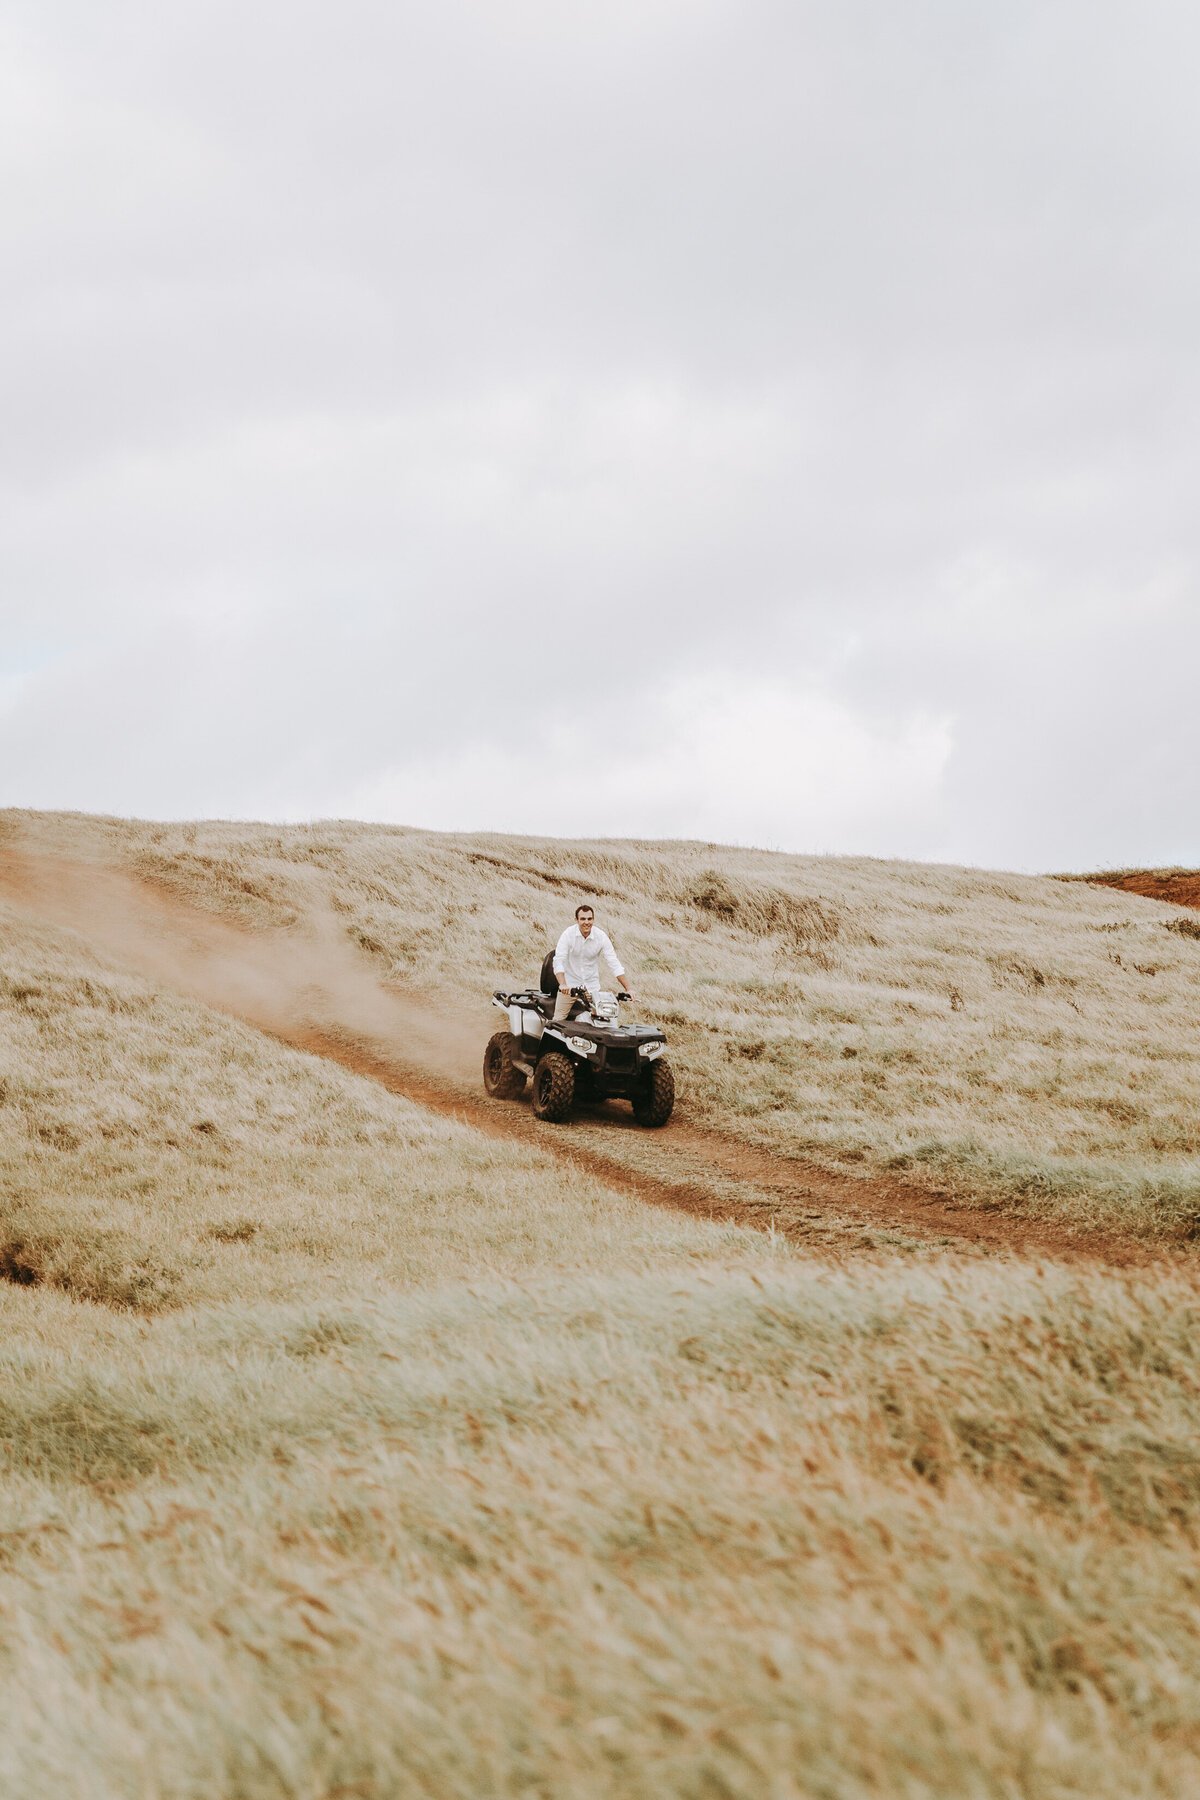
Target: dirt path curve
[312,991]
[699,1171]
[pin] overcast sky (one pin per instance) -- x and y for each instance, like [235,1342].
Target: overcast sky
[769,422]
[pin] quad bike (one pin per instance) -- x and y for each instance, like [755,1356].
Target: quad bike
[588,1056]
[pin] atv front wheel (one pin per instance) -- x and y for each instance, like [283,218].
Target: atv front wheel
[655,1097]
[500,1078]
[553,1087]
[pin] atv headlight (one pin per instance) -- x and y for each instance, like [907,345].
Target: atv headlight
[584,1046]
[654,1049]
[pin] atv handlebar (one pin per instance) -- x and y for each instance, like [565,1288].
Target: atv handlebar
[500,998]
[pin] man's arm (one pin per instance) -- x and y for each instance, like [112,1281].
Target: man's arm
[614,963]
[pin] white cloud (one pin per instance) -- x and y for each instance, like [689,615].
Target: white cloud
[721,759]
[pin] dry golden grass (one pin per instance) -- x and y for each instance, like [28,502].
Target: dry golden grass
[153,1152]
[1015,1037]
[735,1532]
[344,1454]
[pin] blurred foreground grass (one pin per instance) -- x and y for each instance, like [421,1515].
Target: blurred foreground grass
[739,1531]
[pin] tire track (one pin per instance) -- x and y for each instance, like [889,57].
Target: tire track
[810,1205]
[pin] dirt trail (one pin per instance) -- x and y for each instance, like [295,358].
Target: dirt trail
[311,990]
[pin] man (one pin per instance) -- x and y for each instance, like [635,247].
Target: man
[577,960]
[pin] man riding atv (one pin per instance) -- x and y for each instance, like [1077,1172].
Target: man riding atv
[577,956]
[565,1037]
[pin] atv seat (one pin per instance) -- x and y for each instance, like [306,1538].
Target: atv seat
[549,994]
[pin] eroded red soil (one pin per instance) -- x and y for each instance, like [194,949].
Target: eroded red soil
[1181,887]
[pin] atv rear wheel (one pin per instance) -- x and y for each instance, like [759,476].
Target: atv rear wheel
[500,1078]
[553,1087]
[655,1097]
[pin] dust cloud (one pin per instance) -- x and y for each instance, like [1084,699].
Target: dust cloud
[294,983]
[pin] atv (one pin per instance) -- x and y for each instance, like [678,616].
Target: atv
[589,1056]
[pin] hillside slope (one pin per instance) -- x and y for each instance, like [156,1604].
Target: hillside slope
[344,1452]
[1003,1037]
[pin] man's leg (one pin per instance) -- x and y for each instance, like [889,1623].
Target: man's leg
[563,1005]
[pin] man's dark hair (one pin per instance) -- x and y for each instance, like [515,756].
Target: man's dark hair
[585,906]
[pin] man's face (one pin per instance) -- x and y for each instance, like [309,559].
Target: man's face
[585,920]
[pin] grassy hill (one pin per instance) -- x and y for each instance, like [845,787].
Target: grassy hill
[1015,1039]
[345,1452]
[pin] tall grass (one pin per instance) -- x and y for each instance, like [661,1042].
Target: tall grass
[1010,1037]
[154,1154]
[410,1467]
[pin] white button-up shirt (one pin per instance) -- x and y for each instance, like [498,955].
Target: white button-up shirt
[578,957]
